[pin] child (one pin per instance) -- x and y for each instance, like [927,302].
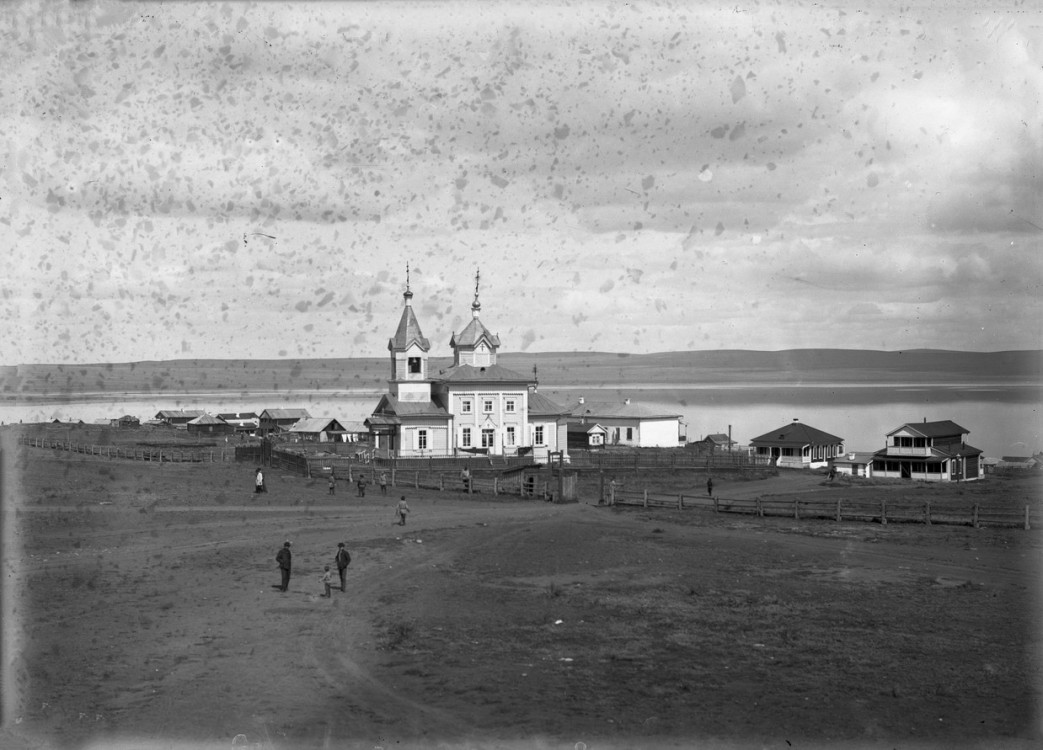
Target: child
[402,509]
[327,579]
[383,483]
[333,484]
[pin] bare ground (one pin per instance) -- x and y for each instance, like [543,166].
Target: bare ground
[140,610]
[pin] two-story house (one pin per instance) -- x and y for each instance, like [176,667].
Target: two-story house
[928,451]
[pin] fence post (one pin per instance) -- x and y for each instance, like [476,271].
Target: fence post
[1027,518]
[796,509]
[716,509]
[974,521]
[927,513]
[441,481]
[760,508]
[416,480]
[680,502]
[883,512]
[645,492]
[496,486]
[838,510]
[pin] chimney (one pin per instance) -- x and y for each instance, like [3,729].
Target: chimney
[581,400]
[626,401]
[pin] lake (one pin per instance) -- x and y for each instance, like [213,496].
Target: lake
[1003,419]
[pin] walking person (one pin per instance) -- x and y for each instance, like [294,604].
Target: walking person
[709,486]
[327,579]
[465,477]
[283,558]
[362,485]
[258,481]
[333,484]
[383,483]
[343,560]
[402,510]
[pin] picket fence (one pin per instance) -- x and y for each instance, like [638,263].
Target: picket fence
[133,453]
[881,511]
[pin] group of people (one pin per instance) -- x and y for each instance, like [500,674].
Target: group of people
[342,559]
[361,482]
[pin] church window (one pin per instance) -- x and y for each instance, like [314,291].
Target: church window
[510,436]
[465,438]
[414,365]
[421,439]
[465,406]
[509,406]
[487,405]
[630,433]
[488,438]
[538,437]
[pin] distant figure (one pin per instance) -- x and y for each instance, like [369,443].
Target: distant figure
[832,473]
[362,485]
[327,579]
[283,558]
[343,560]
[709,486]
[402,510]
[259,482]
[612,492]
[333,484]
[383,483]
[465,478]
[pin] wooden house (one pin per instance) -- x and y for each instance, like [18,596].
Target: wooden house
[317,430]
[929,452]
[208,424]
[798,446]
[629,424]
[280,420]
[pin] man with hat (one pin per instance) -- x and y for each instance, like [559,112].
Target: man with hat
[283,558]
[343,560]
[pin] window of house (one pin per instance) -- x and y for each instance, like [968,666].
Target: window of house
[421,439]
[488,438]
[630,433]
[538,437]
[414,365]
[509,406]
[465,438]
[487,405]
[510,436]
[465,406]
[787,451]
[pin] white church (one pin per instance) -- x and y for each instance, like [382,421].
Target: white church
[475,406]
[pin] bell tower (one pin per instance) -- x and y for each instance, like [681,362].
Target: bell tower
[475,345]
[409,352]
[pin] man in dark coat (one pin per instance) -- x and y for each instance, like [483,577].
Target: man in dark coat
[283,558]
[343,560]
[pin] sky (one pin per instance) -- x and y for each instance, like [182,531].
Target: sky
[252,180]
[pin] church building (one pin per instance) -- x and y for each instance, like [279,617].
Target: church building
[475,406]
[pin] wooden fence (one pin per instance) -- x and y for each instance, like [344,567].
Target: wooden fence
[134,453]
[881,511]
[664,458]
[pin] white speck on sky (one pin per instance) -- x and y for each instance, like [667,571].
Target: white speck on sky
[250,180]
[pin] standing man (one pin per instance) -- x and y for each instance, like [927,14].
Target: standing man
[402,510]
[333,484]
[258,481]
[383,483]
[362,484]
[283,558]
[709,486]
[343,559]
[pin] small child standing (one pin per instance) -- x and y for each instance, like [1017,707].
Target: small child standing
[327,579]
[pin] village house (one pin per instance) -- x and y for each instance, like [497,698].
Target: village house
[585,436]
[125,421]
[718,442]
[928,451]
[318,430]
[855,464]
[474,406]
[798,446]
[628,424]
[178,418]
[280,420]
[207,424]
[245,422]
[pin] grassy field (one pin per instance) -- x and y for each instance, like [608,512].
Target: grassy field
[140,610]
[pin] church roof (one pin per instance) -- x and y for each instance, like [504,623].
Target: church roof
[408,332]
[487,374]
[472,334]
[616,410]
[392,406]
[540,404]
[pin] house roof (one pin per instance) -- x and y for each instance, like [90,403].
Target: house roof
[943,428]
[487,374]
[285,414]
[207,419]
[408,333]
[472,335]
[855,457]
[719,437]
[179,414]
[584,429]
[540,404]
[238,415]
[392,406]
[617,410]
[797,433]
[317,424]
